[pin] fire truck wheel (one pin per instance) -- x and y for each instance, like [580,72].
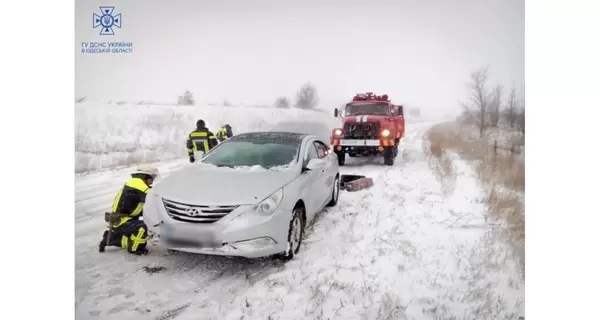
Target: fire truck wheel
[388,156]
[341,158]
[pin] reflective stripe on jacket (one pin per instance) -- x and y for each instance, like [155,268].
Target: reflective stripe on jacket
[201,139]
[222,134]
[130,200]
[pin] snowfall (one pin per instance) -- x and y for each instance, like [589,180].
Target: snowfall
[402,249]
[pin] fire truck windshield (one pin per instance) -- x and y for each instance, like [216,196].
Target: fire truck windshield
[358,109]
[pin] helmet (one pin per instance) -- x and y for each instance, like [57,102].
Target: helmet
[147,169]
[200,123]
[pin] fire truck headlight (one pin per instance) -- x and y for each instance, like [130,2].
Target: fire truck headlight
[385,133]
[337,132]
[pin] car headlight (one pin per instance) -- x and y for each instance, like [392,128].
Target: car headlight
[385,133]
[337,132]
[270,204]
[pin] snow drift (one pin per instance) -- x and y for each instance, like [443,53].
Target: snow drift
[108,135]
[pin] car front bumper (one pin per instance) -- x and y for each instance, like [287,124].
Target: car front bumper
[242,232]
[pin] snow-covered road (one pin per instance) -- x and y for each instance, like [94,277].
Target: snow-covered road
[401,250]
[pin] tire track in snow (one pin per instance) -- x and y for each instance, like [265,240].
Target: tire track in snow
[382,252]
[385,254]
[101,277]
[340,258]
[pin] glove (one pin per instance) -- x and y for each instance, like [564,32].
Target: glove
[192,159]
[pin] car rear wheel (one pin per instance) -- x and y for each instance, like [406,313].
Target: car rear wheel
[335,193]
[295,235]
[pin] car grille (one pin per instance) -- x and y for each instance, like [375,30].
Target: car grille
[361,130]
[196,213]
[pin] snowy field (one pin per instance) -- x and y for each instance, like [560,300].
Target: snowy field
[402,249]
[111,135]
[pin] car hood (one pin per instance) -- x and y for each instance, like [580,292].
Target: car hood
[209,185]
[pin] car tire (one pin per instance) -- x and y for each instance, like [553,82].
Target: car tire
[341,158]
[295,235]
[388,156]
[335,193]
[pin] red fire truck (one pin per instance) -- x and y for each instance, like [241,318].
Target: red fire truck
[372,126]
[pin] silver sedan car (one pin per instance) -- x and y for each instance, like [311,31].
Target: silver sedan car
[250,196]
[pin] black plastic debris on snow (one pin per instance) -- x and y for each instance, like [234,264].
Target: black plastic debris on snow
[345,178]
[153,270]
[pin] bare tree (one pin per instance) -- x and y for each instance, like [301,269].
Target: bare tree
[494,105]
[511,108]
[282,102]
[307,98]
[479,98]
[520,120]
[187,99]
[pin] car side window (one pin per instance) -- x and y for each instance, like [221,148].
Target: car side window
[311,154]
[321,149]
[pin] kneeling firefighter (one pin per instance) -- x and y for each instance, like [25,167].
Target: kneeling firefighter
[224,132]
[126,230]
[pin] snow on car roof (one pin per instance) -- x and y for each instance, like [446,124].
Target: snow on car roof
[275,136]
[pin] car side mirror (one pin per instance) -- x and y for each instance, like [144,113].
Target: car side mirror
[313,164]
[336,112]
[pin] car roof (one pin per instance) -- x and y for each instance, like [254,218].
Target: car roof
[276,136]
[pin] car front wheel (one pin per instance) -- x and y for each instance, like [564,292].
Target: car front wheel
[295,235]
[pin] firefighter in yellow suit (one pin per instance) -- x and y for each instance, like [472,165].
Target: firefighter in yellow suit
[200,140]
[128,231]
[224,133]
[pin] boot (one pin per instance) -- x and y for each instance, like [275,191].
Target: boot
[139,252]
[102,245]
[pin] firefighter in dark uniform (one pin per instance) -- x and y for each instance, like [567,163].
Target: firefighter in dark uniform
[200,140]
[128,231]
[224,133]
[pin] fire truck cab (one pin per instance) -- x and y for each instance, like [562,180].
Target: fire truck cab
[372,126]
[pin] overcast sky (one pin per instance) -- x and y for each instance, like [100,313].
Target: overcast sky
[420,52]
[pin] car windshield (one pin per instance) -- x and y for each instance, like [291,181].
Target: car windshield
[358,109]
[248,153]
